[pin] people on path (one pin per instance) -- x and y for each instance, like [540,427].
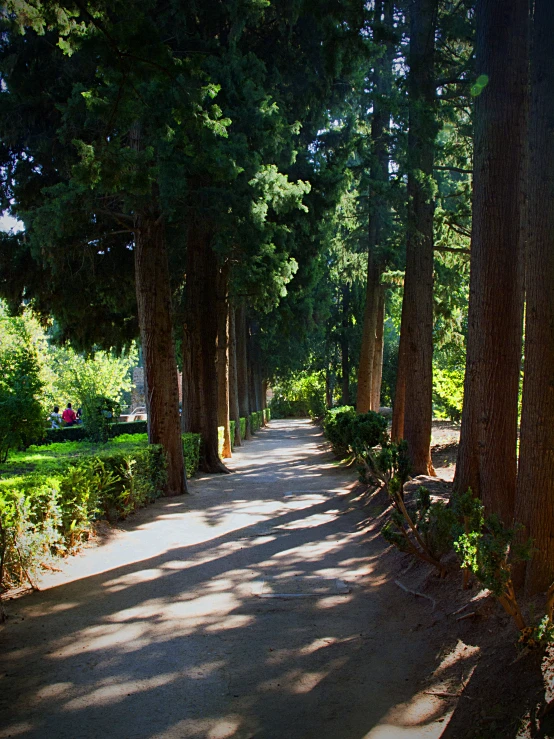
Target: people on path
[69,416]
[56,418]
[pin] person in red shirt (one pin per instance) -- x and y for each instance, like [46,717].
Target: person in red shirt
[69,415]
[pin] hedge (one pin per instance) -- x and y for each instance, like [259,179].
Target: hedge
[242,422]
[232,425]
[79,433]
[44,516]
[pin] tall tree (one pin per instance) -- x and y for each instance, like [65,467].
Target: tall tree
[413,407]
[535,483]
[487,455]
[369,367]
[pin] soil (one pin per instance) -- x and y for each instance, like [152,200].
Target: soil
[266,605]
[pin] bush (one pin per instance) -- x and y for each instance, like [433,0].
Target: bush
[448,393]
[220,440]
[191,449]
[242,422]
[266,415]
[300,396]
[337,425]
[69,433]
[21,414]
[78,433]
[130,427]
[98,414]
[366,431]
[232,432]
[42,516]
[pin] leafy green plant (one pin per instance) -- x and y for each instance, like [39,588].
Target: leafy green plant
[21,413]
[337,425]
[486,548]
[99,412]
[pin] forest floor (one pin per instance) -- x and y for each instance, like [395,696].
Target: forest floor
[264,605]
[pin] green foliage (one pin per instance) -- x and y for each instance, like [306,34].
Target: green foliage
[242,422]
[220,440]
[366,431]
[232,425]
[484,544]
[337,425]
[191,448]
[300,396]
[21,413]
[46,515]
[99,412]
[448,393]
[128,427]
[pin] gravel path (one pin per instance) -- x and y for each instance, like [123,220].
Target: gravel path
[256,607]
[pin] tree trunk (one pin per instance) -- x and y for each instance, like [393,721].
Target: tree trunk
[380,128]
[242,367]
[367,352]
[534,506]
[200,395]
[344,353]
[233,387]
[156,332]
[377,373]
[223,357]
[416,339]
[487,454]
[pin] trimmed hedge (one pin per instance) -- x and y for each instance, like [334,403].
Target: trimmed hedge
[44,516]
[128,427]
[266,413]
[220,440]
[68,433]
[79,433]
[232,425]
[191,448]
[242,422]
[350,432]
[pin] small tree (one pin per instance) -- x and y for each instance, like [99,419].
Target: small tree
[21,412]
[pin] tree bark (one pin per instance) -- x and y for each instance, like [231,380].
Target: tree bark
[534,506]
[156,332]
[200,393]
[380,128]
[487,454]
[367,351]
[344,351]
[233,387]
[223,357]
[377,373]
[242,367]
[416,339]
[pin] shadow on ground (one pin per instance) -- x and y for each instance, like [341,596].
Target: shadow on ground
[179,643]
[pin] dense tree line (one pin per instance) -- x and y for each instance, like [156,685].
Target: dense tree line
[263,189]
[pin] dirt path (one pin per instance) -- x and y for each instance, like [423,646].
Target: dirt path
[257,607]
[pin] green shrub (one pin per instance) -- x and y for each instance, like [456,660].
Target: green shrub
[242,427]
[220,440]
[69,433]
[21,414]
[300,396]
[191,448]
[448,393]
[337,425]
[232,432]
[366,431]
[130,427]
[266,415]
[41,516]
